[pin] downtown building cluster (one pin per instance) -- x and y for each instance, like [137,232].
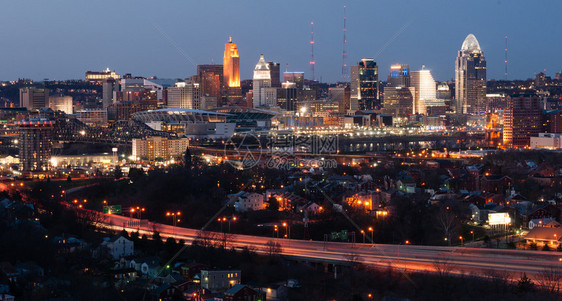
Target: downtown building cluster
[215,103]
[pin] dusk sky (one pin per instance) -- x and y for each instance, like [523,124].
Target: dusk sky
[61,39]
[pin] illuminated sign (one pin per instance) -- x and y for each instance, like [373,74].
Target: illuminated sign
[499,218]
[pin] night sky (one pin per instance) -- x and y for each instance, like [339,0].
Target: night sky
[61,39]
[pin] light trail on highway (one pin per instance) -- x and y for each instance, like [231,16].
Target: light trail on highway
[413,258]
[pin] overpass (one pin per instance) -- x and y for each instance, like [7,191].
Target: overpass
[459,260]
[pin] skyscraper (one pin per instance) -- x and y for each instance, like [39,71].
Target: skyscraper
[294,77]
[399,76]
[275,71]
[34,98]
[184,96]
[109,86]
[287,97]
[231,71]
[398,94]
[340,96]
[522,120]
[470,78]
[262,84]
[365,85]
[210,78]
[425,90]
[35,144]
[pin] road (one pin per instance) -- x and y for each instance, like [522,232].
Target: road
[478,261]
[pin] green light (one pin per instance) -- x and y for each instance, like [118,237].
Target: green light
[168,266]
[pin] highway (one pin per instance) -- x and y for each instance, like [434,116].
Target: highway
[458,260]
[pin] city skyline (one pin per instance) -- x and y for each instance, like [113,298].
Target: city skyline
[81,40]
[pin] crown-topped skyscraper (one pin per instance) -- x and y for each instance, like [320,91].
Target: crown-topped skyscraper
[470,78]
[231,72]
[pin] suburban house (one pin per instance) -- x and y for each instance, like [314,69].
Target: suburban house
[241,292]
[146,266]
[249,201]
[220,280]
[540,222]
[310,208]
[118,246]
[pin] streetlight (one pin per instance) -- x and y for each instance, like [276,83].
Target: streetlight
[220,221]
[287,230]
[472,232]
[174,216]
[224,219]
[462,241]
[138,210]
[371,230]
[363,232]
[275,229]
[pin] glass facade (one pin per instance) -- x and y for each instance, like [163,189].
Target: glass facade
[365,85]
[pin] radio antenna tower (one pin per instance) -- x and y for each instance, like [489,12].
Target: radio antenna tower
[505,57]
[312,62]
[344,71]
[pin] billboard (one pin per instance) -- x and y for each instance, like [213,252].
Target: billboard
[501,218]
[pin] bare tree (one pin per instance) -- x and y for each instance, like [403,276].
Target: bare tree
[90,218]
[443,267]
[225,240]
[273,248]
[447,222]
[205,239]
[549,279]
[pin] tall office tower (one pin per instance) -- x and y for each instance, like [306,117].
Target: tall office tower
[425,90]
[34,98]
[398,94]
[399,76]
[184,96]
[398,101]
[294,77]
[443,91]
[340,97]
[210,78]
[110,87]
[287,96]
[365,85]
[35,144]
[275,72]
[552,121]
[522,120]
[470,78]
[61,103]
[262,81]
[231,72]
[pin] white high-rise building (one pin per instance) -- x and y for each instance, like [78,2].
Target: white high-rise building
[425,90]
[470,78]
[262,81]
[184,96]
[34,98]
